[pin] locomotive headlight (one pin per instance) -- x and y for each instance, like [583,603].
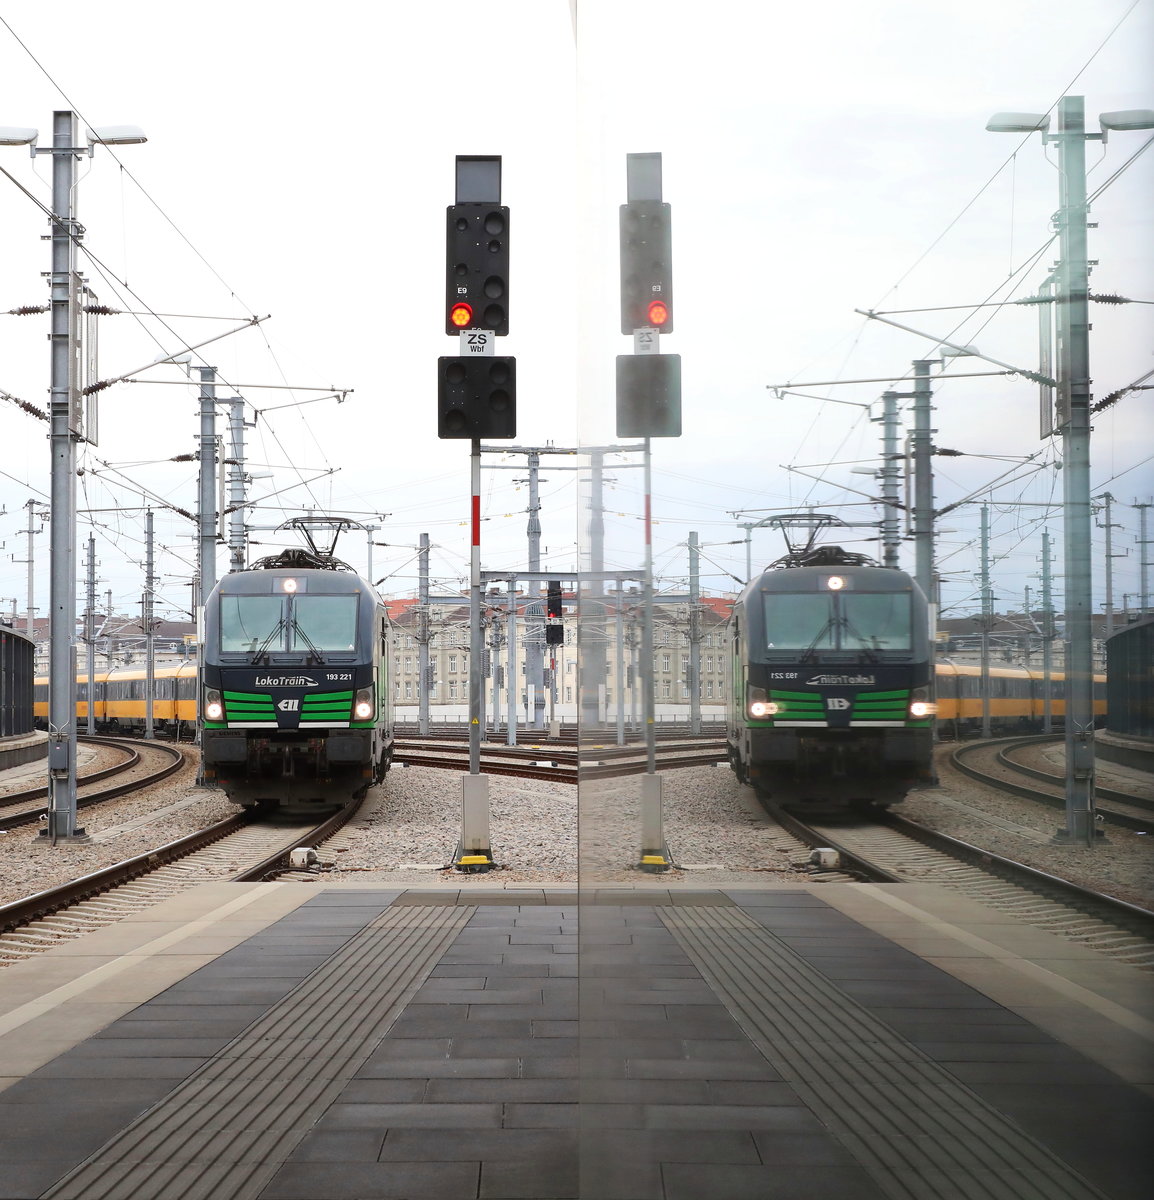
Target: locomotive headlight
[760,705]
[213,705]
[835,583]
[920,703]
[363,706]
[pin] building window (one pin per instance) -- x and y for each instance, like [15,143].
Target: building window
[452,662]
[709,689]
[709,662]
[709,639]
[569,695]
[408,663]
[665,691]
[452,689]
[665,662]
[408,691]
[685,691]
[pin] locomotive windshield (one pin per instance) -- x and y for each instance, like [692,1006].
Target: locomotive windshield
[247,622]
[323,622]
[282,624]
[852,621]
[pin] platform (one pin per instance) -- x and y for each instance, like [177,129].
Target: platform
[19,749]
[310,1042]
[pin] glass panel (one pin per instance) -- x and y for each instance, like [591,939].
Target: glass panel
[324,623]
[875,621]
[247,622]
[801,622]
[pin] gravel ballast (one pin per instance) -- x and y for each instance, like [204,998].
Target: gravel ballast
[716,833]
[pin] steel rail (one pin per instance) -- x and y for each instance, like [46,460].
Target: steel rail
[28,817]
[1054,800]
[10,799]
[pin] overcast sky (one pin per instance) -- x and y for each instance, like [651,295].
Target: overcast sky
[818,159]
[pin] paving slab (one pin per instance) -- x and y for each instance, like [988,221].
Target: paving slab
[541,1043]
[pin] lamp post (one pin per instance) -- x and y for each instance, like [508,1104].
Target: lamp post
[66,430]
[1073,420]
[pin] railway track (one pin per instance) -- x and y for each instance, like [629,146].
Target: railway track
[23,807]
[1125,809]
[241,848]
[237,849]
[891,848]
[561,764]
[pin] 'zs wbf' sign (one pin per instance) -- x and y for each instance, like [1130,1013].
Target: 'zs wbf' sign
[836,703]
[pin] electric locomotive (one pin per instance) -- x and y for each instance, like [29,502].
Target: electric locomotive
[296,705]
[831,701]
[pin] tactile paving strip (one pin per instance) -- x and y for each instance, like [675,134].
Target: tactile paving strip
[227,1129]
[919,1132]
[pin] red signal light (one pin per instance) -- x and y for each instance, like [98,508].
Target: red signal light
[461,314]
[658,313]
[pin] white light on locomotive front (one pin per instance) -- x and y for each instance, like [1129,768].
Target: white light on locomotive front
[289,585]
[363,707]
[922,708]
[763,708]
[213,706]
[835,583]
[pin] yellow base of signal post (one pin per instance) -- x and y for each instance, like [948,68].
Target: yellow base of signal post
[473,851]
[654,852]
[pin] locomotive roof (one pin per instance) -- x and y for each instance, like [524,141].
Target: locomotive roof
[270,580]
[809,579]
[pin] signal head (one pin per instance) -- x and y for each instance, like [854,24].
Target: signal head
[658,313]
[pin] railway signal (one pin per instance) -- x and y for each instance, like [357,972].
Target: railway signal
[646,264]
[648,382]
[554,630]
[477,389]
[648,395]
[477,268]
[477,397]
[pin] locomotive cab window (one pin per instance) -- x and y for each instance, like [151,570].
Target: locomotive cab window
[852,621]
[328,623]
[798,622]
[248,622]
[301,624]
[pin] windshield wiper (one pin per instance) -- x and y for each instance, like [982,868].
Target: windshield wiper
[314,653]
[808,651]
[268,641]
[869,651]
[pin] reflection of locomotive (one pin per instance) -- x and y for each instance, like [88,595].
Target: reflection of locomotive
[296,707]
[830,699]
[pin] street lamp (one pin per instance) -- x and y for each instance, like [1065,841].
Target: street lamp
[66,429]
[1072,300]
